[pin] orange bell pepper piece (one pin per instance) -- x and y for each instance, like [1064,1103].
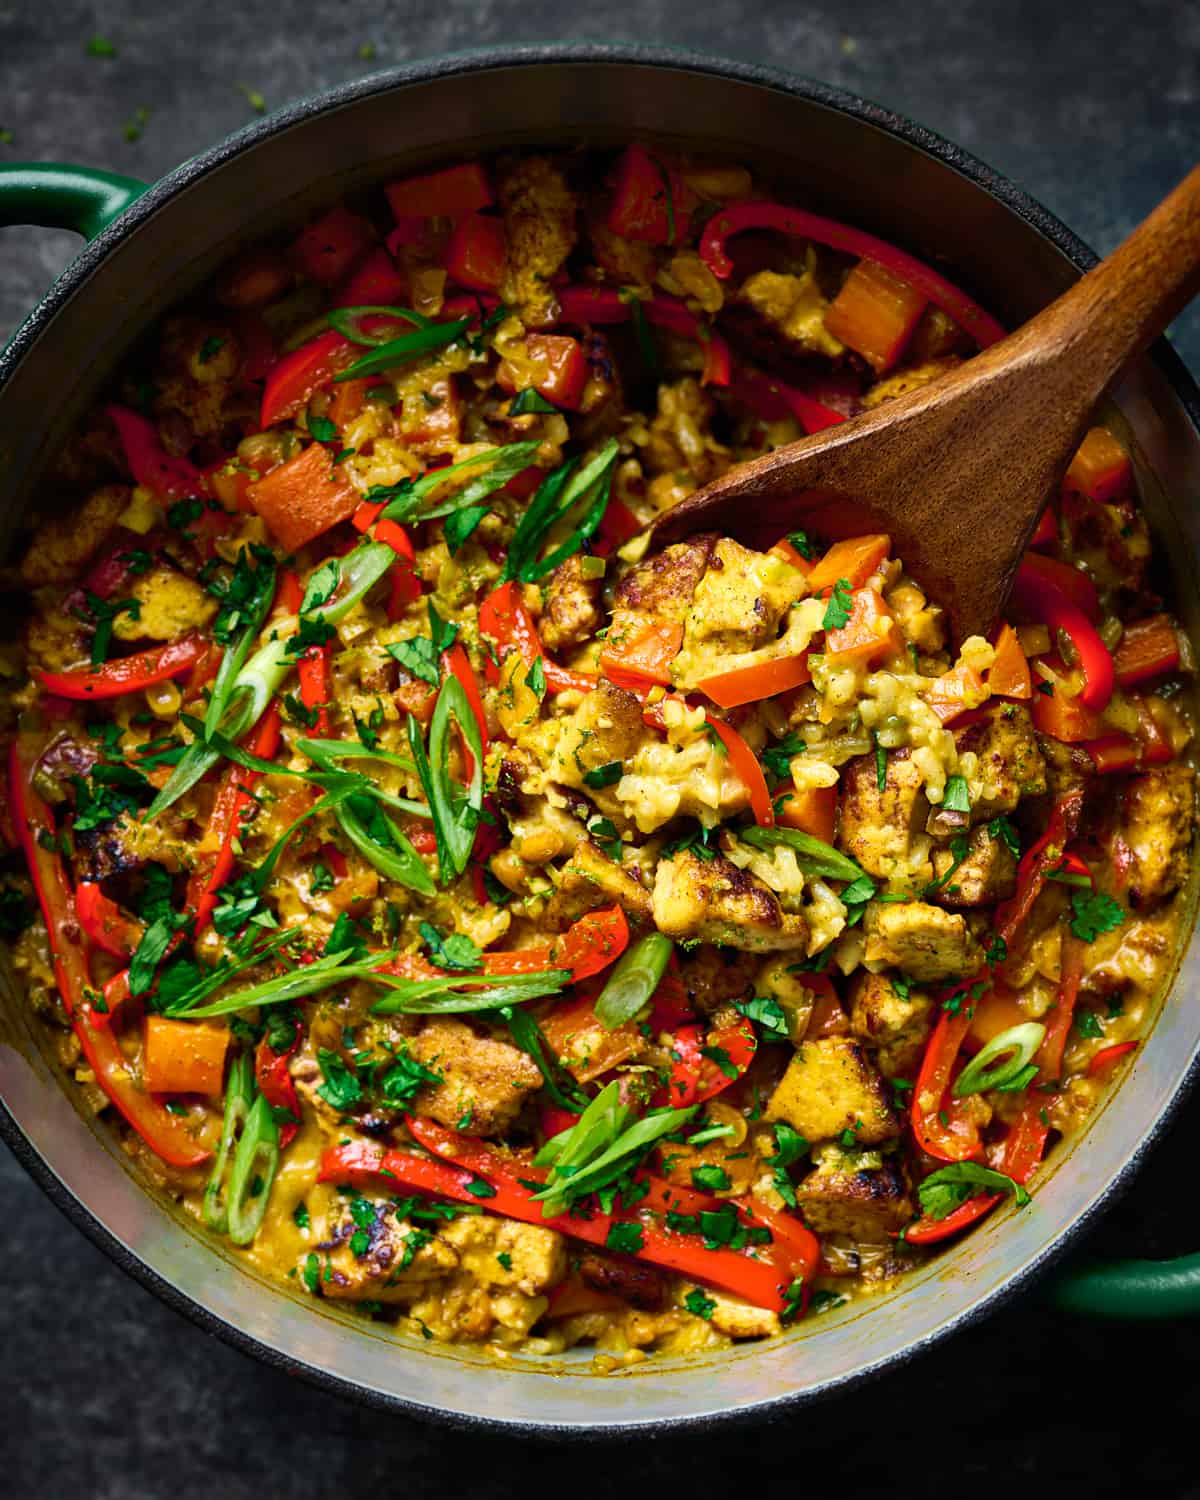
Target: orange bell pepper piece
[875,313]
[870,634]
[812,811]
[642,656]
[955,692]
[1100,469]
[744,764]
[854,560]
[304,497]
[762,680]
[1009,676]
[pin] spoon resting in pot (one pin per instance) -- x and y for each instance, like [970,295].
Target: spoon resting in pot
[958,471]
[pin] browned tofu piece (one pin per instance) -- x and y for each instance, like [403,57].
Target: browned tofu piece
[606,726]
[988,874]
[569,613]
[923,941]
[741,600]
[387,1261]
[664,584]
[484,1081]
[714,901]
[895,1026]
[534,1256]
[831,1086]
[878,827]
[1010,762]
[63,545]
[1155,822]
[868,1205]
[590,880]
[539,225]
[714,976]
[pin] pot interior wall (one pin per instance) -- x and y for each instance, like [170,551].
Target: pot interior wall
[840,164]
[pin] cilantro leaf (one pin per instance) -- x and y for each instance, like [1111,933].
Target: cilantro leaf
[454,952]
[605,775]
[710,1178]
[627,1239]
[529,400]
[837,611]
[949,1188]
[778,758]
[699,1305]
[418,658]
[341,1087]
[1093,913]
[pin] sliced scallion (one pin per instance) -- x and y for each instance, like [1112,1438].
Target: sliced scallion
[346,321]
[814,856]
[634,979]
[499,465]
[453,994]
[253,1173]
[238,1092]
[397,859]
[407,347]
[1001,1060]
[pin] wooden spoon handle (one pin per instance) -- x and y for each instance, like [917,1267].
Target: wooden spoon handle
[1126,301]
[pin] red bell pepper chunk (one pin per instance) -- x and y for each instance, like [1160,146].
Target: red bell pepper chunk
[745,766]
[619,526]
[275,1083]
[638,658]
[476,254]
[171,478]
[683,1084]
[772,400]
[329,246]
[560,368]
[650,202]
[1114,754]
[297,375]
[449,194]
[1063,717]
[504,617]
[941,1126]
[603,304]
[1148,648]
[1107,1056]
[127,674]
[166,1135]
[376,283]
[105,924]
[1009,675]
[1036,864]
[1100,469]
[736,217]
[316,684]
[753,684]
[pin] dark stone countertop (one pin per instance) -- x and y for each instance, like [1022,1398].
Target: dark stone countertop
[1093,109]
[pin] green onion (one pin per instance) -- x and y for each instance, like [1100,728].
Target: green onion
[409,497]
[257,1161]
[575,1174]
[634,980]
[558,1083]
[237,1106]
[326,754]
[454,994]
[309,979]
[815,857]
[408,346]
[398,860]
[560,493]
[345,320]
[1001,1060]
[455,816]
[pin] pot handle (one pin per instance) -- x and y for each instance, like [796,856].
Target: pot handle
[1131,1289]
[55,195]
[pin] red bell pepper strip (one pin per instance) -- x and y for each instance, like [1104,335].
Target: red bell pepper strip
[297,375]
[1107,1056]
[760,1278]
[618,526]
[170,478]
[941,1126]
[505,619]
[753,684]
[1041,579]
[1061,716]
[1093,656]
[448,194]
[315,674]
[232,805]
[476,254]
[1036,864]
[103,921]
[1148,648]
[605,304]
[925,1231]
[165,1134]
[683,1083]
[127,674]
[1046,532]
[704,1066]
[772,400]
[745,766]
[1114,754]
[456,663]
[736,217]
[275,1082]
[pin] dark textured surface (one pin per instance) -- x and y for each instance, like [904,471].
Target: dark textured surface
[1094,110]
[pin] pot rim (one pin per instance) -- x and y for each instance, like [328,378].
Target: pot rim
[476,60]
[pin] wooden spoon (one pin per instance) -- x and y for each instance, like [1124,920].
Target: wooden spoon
[959,470]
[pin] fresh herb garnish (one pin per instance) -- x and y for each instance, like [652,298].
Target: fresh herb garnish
[837,610]
[1094,913]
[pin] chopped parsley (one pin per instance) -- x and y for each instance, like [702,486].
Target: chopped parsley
[529,400]
[699,1305]
[1094,913]
[1087,1024]
[800,540]
[457,951]
[606,775]
[322,429]
[710,1178]
[778,758]
[341,1088]
[626,1239]
[768,1014]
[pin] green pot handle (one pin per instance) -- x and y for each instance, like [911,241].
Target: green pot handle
[1131,1289]
[54,195]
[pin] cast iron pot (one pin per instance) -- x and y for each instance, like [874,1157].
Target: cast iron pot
[846,158]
